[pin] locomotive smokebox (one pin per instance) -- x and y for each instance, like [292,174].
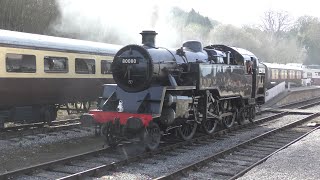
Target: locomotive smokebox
[148,38]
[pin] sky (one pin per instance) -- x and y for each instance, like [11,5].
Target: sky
[236,12]
[96,19]
[245,12]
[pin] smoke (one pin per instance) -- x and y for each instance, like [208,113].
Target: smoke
[118,22]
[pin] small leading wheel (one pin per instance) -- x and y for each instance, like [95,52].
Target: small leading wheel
[151,136]
[209,125]
[252,113]
[187,130]
[1,122]
[228,121]
[97,130]
[241,116]
[108,132]
[49,114]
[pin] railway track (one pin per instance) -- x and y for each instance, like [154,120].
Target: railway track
[38,128]
[19,131]
[295,107]
[236,161]
[301,104]
[105,160]
[312,104]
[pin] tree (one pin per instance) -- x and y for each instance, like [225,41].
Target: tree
[191,25]
[276,22]
[307,29]
[278,50]
[33,16]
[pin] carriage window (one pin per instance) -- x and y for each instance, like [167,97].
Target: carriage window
[298,75]
[290,74]
[284,74]
[275,74]
[55,64]
[105,67]
[293,74]
[21,63]
[85,66]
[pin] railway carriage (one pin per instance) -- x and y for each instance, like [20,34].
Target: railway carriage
[277,73]
[314,73]
[40,73]
[174,91]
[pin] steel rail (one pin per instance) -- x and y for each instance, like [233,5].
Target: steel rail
[222,154]
[290,105]
[98,170]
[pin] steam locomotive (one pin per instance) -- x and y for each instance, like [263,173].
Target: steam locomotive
[160,91]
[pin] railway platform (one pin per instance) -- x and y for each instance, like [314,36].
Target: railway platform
[303,88]
[299,161]
[294,95]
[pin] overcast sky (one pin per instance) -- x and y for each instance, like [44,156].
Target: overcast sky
[239,12]
[236,12]
[129,17]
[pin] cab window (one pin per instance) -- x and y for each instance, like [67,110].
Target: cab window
[249,66]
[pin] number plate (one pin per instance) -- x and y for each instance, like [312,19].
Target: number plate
[130,61]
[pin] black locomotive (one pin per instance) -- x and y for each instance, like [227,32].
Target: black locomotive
[161,90]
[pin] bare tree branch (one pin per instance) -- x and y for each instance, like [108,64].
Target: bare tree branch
[276,22]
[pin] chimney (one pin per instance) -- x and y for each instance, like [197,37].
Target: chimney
[148,38]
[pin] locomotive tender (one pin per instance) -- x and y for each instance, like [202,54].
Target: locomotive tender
[159,91]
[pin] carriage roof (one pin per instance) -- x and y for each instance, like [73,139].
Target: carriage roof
[35,41]
[282,66]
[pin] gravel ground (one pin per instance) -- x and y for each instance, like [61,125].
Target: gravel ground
[41,139]
[163,164]
[31,150]
[299,161]
[34,149]
[62,114]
